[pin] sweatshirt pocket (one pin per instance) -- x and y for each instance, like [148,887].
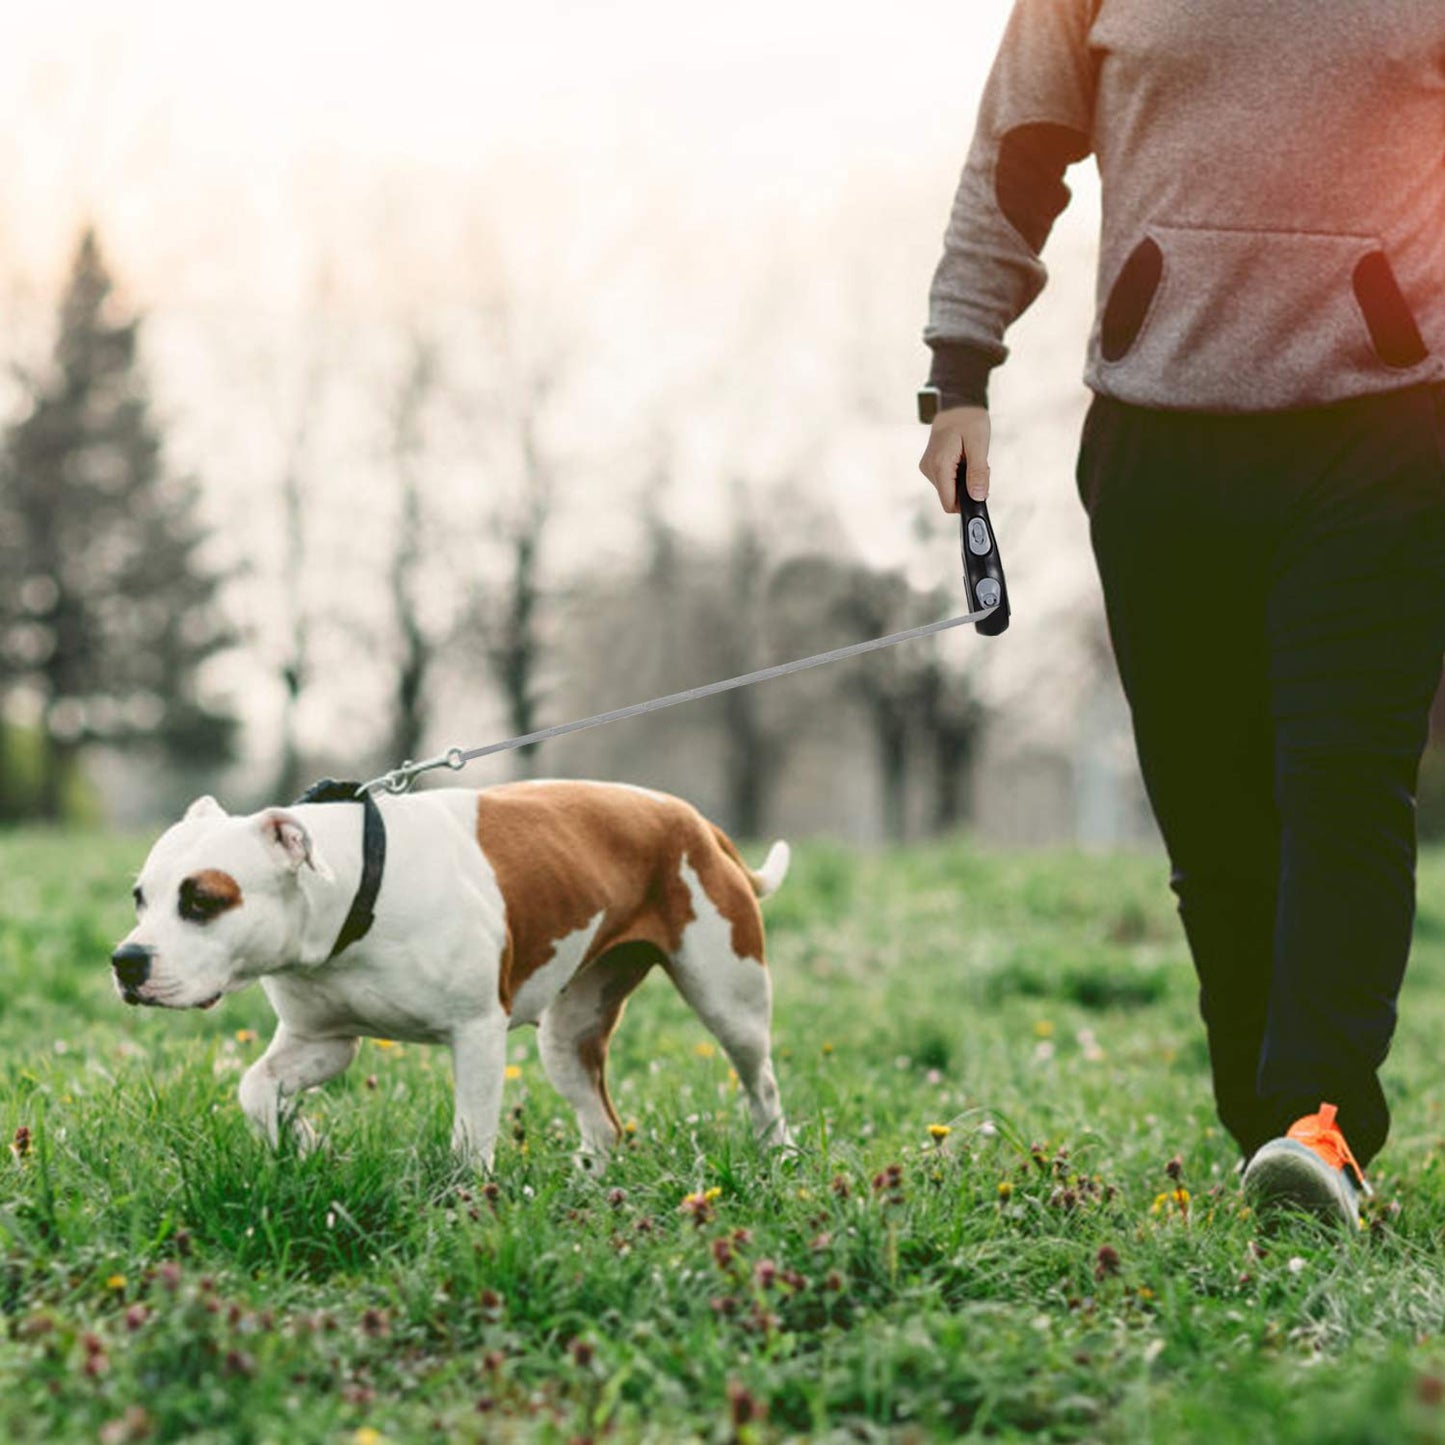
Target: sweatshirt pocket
[1393,330]
[1130,298]
[1226,319]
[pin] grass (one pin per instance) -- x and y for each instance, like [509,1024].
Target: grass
[1069,1261]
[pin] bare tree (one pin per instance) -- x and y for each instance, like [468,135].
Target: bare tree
[416,645]
[297,622]
[754,746]
[903,692]
[510,615]
[950,718]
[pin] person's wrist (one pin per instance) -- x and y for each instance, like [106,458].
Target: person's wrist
[958,375]
[932,400]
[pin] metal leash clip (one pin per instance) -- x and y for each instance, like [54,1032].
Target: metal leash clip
[399,780]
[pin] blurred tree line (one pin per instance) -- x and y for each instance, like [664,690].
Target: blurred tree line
[114,611]
[119,616]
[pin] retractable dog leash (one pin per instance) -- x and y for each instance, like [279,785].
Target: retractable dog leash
[982,570]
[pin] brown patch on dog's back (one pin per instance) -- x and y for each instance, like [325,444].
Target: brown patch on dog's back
[563,852]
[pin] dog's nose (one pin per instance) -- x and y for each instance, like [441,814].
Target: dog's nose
[131,962]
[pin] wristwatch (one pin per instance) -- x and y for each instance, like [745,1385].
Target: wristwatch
[930,403]
[932,400]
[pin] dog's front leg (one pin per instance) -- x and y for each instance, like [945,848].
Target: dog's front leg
[288,1066]
[479,1061]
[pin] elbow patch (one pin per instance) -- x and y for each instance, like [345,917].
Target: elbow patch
[1028,180]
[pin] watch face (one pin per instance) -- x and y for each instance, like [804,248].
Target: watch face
[928,399]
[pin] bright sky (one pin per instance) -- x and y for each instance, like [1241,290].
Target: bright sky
[174,102]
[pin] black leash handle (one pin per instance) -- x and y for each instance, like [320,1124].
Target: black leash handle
[982,566]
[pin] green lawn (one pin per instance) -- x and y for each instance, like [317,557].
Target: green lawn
[1035,1273]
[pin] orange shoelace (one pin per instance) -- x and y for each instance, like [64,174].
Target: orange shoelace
[1320,1133]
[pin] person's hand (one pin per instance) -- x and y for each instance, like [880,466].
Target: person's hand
[958,432]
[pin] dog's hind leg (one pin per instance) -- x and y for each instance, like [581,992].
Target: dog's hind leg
[479,1063]
[731,991]
[290,1065]
[572,1038]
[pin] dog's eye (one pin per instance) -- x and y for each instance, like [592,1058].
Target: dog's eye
[197,906]
[140,898]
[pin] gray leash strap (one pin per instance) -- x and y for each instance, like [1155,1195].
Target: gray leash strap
[399,780]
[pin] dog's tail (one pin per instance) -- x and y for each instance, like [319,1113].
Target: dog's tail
[767,879]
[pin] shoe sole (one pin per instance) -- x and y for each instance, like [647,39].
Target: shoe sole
[1295,1178]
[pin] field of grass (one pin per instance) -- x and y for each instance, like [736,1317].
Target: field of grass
[1013,1214]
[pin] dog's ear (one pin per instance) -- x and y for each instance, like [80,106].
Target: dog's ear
[286,834]
[205,807]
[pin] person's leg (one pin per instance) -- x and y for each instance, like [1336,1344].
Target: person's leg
[1182,532]
[1357,630]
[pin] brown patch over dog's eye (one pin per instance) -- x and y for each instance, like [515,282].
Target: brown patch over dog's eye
[208,894]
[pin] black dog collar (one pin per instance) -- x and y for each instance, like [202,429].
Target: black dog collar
[373,856]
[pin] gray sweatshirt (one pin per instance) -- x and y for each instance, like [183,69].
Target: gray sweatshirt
[1273,177]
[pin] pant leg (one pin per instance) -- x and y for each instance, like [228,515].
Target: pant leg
[1356,633]
[1182,538]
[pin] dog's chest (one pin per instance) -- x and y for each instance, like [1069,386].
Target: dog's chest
[366,1002]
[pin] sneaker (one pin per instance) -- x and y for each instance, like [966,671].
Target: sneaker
[1311,1168]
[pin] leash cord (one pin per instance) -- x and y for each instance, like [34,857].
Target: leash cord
[399,780]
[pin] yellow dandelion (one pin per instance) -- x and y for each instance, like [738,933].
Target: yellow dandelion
[367,1435]
[513,1071]
[1005,1189]
[827,1048]
[710,1194]
[1043,1029]
[245,1036]
[116,1281]
[940,1132]
[381,1044]
[704,1050]
[1179,1198]
[630,1127]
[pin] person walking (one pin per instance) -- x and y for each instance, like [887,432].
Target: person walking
[1263,470]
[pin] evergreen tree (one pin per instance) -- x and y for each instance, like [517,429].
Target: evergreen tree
[109,611]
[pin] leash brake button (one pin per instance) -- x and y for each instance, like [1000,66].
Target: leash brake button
[988,592]
[978,538]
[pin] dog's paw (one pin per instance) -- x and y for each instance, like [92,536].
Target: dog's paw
[471,1155]
[304,1138]
[778,1136]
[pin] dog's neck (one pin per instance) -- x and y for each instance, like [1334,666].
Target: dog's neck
[335,830]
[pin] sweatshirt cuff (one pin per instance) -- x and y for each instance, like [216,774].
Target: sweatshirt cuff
[960,372]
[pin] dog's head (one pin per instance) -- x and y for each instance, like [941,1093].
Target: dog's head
[218,904]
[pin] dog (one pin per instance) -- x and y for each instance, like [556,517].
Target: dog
[543,902]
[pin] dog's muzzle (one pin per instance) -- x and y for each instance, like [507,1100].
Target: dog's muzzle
[132,965]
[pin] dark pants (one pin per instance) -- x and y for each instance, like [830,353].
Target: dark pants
[1275,591]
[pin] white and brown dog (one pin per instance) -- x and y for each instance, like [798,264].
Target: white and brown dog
[540,903]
